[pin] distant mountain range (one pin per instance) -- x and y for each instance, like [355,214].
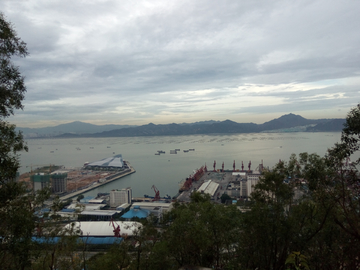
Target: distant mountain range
[286,123]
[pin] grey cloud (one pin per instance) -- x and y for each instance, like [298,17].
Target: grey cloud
[133,50]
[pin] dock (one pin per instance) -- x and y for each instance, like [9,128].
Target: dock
[98,184]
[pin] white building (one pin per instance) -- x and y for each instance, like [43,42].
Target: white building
[119,197]
[252,180]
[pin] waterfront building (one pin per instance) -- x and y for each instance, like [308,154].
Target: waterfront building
[59,181]
[40,181]
[104,228]
[252,180]
[109,164]
[119,197]
[98,215]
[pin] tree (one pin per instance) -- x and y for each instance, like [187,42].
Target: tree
[16,206]
[199,233]
[12,90]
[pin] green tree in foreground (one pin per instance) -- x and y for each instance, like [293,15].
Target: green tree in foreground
[17,222]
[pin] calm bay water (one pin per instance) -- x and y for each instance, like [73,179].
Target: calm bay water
[167,170]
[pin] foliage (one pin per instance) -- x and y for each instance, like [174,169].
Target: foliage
[200,234]
[297,260]
[16,206]
[80,197]
[225,198]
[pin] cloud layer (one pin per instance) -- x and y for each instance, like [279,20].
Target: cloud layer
[135,62]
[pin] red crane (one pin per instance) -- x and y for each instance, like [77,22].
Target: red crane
[234,166]
[222,167]
[157,193]
[214,165]
[249,165]
[116,229]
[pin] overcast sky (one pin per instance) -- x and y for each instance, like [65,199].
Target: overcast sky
[165,61]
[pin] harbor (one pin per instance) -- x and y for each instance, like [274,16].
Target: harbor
[97,184]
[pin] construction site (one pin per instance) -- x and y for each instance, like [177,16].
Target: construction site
[68,182]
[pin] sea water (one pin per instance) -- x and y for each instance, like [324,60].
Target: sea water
[167,170]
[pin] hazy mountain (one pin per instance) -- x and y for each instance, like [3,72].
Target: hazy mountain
[289,123]
[329,126]
[76,127]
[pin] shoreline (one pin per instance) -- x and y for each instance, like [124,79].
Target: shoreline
[97,184]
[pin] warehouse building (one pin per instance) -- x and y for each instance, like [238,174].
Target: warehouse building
[114,163]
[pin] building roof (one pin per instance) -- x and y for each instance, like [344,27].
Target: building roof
[239,173]
[105,228]
[136,212]
[87,199]
[97,201]
[114,162]
[99,212]
[109,240]
[209,187]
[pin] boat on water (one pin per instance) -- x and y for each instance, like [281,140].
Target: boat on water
[185,151]
[158,154]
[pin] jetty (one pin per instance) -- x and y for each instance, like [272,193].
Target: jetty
[98,183]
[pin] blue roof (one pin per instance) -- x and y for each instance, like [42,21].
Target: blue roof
[87,199]
[136,212]
[67,210]
[88,240]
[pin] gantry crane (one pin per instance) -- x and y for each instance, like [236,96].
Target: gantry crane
[157,193]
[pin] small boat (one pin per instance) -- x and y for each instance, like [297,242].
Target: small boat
[185,151]
[192,149]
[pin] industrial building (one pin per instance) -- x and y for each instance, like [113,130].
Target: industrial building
[243,185]
[114,163]
[98,215]
[59,181]
[105,228]
[40,181]
[208,187]
[119,197]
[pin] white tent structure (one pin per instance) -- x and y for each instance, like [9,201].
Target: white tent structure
[105,228]
[115,162]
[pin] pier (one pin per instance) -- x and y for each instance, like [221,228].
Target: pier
[98,184]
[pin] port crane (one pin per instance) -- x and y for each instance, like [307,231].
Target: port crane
[222,167]
[116,229]
[214,165]
[249,165]
[242,166]
[234,166]
[157,193]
